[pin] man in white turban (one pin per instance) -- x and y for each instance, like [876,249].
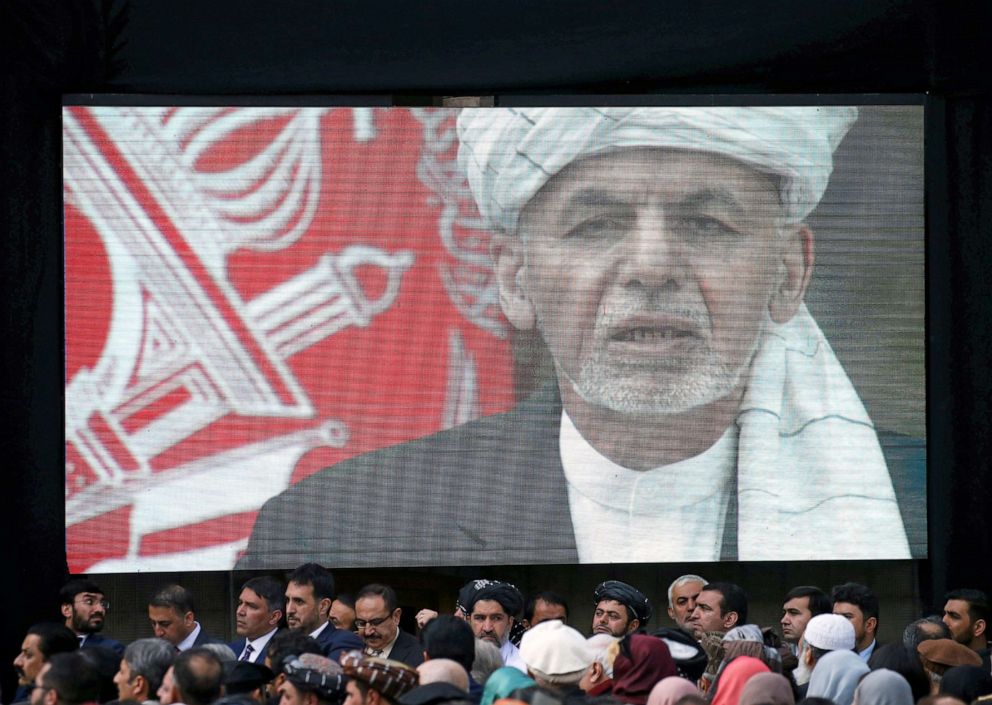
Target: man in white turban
[697,412]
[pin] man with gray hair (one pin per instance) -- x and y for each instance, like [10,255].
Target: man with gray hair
[143,668]
[682,594]
[922,629]
[824,633]
[598,678]
[696,410]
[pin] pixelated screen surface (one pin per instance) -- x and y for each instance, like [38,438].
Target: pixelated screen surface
[420,336]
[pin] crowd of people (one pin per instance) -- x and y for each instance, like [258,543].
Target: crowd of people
[302,643]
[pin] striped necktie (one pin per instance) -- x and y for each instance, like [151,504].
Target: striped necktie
[246,655]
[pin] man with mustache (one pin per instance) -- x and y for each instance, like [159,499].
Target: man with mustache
[695,410]
[84,608]
[42,641]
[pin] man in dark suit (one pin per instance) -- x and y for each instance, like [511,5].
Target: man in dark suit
[309,594]
[84,608]
[663,256]
[378,624]
[170,611]
[261,606]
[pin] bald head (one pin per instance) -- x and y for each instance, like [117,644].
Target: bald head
[443,670]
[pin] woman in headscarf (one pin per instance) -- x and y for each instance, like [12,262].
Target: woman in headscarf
[502,682]
[883,687]
[767,689]
[642,661]
[836,676]
[730,684]
[667,691]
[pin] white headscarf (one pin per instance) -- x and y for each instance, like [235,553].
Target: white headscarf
[510,153]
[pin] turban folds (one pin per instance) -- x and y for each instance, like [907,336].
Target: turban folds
[505,594]
[510,153]
[627,595]
[391,678]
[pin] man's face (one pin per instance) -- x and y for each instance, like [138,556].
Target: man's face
[795,615]
[650,272]
[957,617]
[29,662]
[543,611]
[376,624]
[857,619]
[684,601]
[122,679]
[42,695]
[289,694]
[86,613]
[610,617]
[302,608]
[253,618]
[355,696]
[342,616]
[490,622]
[168,624]
[707,616]
[164,692]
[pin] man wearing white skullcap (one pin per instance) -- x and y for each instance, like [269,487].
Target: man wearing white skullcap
[696,410]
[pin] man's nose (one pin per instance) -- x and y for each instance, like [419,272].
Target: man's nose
[653,254]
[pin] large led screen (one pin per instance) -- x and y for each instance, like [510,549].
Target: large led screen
[424,336]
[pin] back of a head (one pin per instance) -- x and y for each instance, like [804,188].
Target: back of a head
[502,682]
[175,597]
[896,657]
[54,638]
[967,683]
[487,660]
[150,658]
[884,687]
[443,670]
[858,595]
[931,627]
[199,675]
[106,663]
[73,677]
[316,576]
[555,654]
[734,599]
[836,676]
[290,643]
[221,651]
[600,648]
[449,637]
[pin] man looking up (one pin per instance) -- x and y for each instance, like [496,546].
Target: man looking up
[142,670]
[801,605]
[620,609]
[859,605]
[261,605]
[309,593]
[663,257]
[719,608]
[378,624]
[84,608]
[682,594]
[171,613]
[492,605]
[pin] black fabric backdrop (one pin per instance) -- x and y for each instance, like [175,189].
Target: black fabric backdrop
[414,51]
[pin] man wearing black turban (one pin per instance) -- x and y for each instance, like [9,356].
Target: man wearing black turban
[491,606]
[620,609]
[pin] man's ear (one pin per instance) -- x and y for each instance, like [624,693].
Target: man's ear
[324,607]
[978,628]
[188,619]
[730,619]
[275,616]
[795,269]
[632,625]
[67,610]
[508,257]
[140,684]
[871,625]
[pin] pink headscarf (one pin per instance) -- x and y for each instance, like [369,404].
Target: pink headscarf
[668,690]
[731,681]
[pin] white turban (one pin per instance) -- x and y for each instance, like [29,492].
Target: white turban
[510,153]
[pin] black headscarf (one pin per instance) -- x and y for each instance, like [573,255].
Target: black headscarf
[627,595]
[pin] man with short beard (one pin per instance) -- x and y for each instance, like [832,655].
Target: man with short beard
[824,633]
[696,410]
[42,641]
[620,609]
[492,605]
[84,608]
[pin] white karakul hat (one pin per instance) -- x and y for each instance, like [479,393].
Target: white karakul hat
[554,649]
[510,153]
[831,632]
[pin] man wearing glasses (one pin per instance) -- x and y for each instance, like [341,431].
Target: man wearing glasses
[84,608]
[378,624]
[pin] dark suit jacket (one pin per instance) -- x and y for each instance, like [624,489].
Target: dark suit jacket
[105,641]
[491,491]
[238,646]
[336,641]
[204,638]
[408,649]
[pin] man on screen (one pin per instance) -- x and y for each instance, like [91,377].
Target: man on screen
[696,410]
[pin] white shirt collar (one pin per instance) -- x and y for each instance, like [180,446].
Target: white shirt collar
[316,632]
[258,644]
[190,639]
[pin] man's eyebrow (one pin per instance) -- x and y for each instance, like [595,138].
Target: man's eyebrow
[596,198]
[709,197]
